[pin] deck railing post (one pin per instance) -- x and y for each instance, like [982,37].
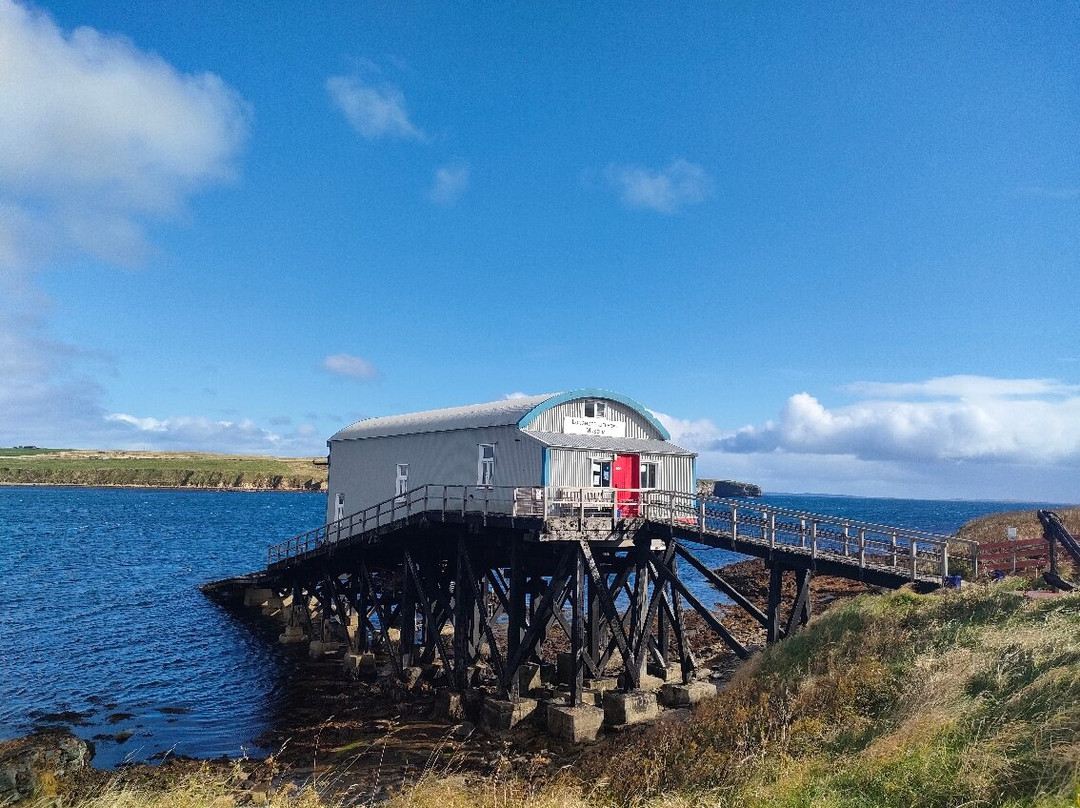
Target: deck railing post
[772,530]
[581,509]
[913,545]
[813,539]
[847,550]
[944,560]
[862,546]
[464,499]
[734,523]
[802,532]
[701,516]
[671,509]
[892,549]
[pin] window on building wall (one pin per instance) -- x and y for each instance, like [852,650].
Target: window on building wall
[601,474]
[648,475]
[401,484]
[485,464]
[339,506]
[595,409]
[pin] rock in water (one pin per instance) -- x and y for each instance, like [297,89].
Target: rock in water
[30,766]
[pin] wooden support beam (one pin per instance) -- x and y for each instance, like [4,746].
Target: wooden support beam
[800,610]
[607,605]
[724,586]
[706,615]
[577,629]
[478,597]
[773,626]
[555,592]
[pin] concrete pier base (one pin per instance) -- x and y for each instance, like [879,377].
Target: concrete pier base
[634,707]
[292,634]
[319,649]
[361,665]
[575,724]
[499,715]
[449,706]
[679,695]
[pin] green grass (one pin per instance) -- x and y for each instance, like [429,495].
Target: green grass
[158,469]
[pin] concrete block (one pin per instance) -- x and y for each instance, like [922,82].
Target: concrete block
[629,708]
[563,661]
[575,724]
[449,706]
[594,690]
[664,672]
[548,673]
[499,715]
[292,634]
[319,649]
[528,676]
[679,695]
[649,683]
[361,665]
[257,596]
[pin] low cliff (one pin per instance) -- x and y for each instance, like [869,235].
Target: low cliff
[727,488]
[125,469]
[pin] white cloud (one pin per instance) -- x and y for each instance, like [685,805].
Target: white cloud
[688,433]
[518,394]
[349,366]
[1033,421]
[198,433]
[374,110]
[964,387]
[669,190]
[449,184]
[97,137]
[959,436]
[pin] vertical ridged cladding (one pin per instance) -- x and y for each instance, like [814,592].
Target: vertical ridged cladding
[572,468]
[365,470]
[636,426]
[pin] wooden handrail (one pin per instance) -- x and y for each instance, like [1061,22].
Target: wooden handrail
[910,552]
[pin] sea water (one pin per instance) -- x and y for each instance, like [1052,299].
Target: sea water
[103,628]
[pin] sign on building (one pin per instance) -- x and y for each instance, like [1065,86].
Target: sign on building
[594,426]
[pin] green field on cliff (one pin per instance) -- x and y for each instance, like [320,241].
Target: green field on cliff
[37,466]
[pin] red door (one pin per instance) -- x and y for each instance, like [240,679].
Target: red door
[625,475]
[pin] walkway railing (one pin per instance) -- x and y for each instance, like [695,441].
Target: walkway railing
[913,553]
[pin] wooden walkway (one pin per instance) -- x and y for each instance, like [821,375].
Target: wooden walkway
[879,554]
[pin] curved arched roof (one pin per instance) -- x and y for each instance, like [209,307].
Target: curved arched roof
[521,411]
[591,392]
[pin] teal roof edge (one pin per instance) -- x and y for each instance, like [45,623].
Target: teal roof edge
[592,392]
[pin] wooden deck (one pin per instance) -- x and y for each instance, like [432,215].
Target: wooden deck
[879,554]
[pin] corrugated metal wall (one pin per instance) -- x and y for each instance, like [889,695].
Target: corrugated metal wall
[572,468]
[552,420]
[366,469]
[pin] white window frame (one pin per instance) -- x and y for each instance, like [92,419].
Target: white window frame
[644,474]
[485,466]
[595,408]
[401,481]
[596,475]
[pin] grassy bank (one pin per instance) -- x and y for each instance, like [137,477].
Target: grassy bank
[994,527]
[23,466]
[960,698]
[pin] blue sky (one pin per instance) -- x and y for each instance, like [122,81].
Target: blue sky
[833,245]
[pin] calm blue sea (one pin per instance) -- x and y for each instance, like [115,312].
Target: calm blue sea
[102,616]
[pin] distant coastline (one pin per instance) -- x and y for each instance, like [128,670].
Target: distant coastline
[37,467]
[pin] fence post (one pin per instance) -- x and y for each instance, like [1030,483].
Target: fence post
[813,539]
[701,516]
[944,559]
[862,547]
[734,523]
[913,546]
[847,550]
[892,549]
[772,530]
